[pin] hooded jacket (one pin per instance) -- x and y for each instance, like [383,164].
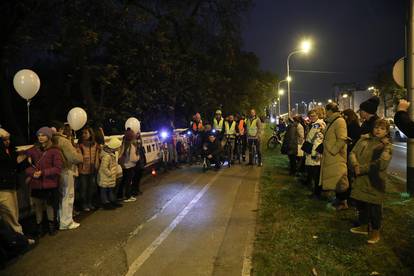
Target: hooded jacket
[69,153]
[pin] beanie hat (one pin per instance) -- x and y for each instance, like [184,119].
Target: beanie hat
[47,131]
[129,135]
[371,105]
[114,143]
[4,133]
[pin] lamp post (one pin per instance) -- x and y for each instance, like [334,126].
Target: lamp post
[280,91]
[304,49]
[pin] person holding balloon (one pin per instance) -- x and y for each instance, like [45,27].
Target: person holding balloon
[71,157]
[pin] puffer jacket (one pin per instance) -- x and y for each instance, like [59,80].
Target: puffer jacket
[50,162]
[315,136]
[108,169]
[90,154]
[372,155]
[71,156]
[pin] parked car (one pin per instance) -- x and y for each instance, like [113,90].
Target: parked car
[397,134]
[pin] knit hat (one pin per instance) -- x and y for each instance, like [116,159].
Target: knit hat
[4,133]
[47,131]
[114,143]
[371,105]
[129,135]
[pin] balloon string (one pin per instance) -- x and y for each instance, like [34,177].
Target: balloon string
[28,121]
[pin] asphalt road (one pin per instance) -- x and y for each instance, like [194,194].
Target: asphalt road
[398,166]
[185,223]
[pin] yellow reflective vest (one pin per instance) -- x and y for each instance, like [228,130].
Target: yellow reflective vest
[252,127]
[230,129]
[218,126]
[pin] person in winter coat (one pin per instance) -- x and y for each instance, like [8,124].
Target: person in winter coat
[46,165]
[368,113]
[300,129]
[107,174]
[71,157]
[334,158]
[402,119]
[369,160]
[290,146]
[353,128]
[314,138]
[9,168]
[128,158]
[139,168]
[88,168]
[212,150]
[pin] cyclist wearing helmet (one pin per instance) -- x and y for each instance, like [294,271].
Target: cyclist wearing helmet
[218,124]
[254,129]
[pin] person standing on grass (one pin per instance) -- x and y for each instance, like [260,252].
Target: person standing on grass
[369,161]
[334,158]
[314,138]
[88,168]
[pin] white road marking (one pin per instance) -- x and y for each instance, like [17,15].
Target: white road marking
[183,191]
[248,251]
[140,260]
[399,146]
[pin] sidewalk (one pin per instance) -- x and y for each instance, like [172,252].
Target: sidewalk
[300,236]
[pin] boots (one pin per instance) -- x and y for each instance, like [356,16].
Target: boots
[52,228]
[374,237]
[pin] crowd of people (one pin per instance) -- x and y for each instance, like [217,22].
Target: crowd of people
[343,161]
[66,177]
[209,139]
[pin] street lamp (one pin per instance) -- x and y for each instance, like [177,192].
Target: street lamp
[304,48]
[281,91]
[329,101]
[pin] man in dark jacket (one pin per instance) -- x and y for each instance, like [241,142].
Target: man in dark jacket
[368,113]
[402,119]
[212,150]
[9,209]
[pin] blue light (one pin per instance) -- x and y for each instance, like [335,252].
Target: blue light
[214,131]
[189,132]
[272,120]
[164,134]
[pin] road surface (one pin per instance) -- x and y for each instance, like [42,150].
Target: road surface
[185,223]
[398,166]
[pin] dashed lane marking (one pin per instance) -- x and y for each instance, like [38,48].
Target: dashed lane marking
[136,265]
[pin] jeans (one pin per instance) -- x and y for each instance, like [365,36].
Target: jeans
[369,213]
[258,151]
[312,177]
[87,189]
[107,195]
[67,192]
[126,184]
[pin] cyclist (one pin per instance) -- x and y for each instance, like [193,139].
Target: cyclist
[218,124]
[241,135]
[212,150]
[197,124]
[254,128]
[230,135]
[197,128]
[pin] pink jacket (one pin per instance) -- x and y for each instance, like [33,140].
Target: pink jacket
[50,162]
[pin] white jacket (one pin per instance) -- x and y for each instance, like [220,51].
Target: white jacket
[107,170]
[315,136]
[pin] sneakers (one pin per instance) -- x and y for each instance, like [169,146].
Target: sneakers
[72,225]
[131,199]
[362,230]
[374,237]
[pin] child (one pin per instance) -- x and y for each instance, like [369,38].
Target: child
[369,160]
[107,174]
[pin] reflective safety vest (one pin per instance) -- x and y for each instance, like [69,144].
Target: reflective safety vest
[218,126]
[197,127]
[252,127]
[230,129]
[241,127]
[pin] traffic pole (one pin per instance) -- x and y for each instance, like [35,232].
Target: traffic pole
[410,95]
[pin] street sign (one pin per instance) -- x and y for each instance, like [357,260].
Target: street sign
[398,72]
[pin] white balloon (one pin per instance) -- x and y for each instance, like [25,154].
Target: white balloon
[133,124]
[77,118]
[27,83]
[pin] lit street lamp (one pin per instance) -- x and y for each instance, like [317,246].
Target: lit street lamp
[280,91]
[304,48]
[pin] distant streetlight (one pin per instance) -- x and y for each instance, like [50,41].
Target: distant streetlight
[345,96]
[329,101]
[288,78]
[304,48]
[281,91]
[320,103]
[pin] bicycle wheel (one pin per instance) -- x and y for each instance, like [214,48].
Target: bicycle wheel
[272,142]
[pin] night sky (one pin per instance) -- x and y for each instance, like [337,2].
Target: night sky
[351,38]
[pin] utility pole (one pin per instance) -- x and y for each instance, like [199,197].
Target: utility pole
[410,94]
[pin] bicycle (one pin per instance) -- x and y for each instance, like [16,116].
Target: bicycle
[274,140]
[239,149]
[253,154]
[228,149]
